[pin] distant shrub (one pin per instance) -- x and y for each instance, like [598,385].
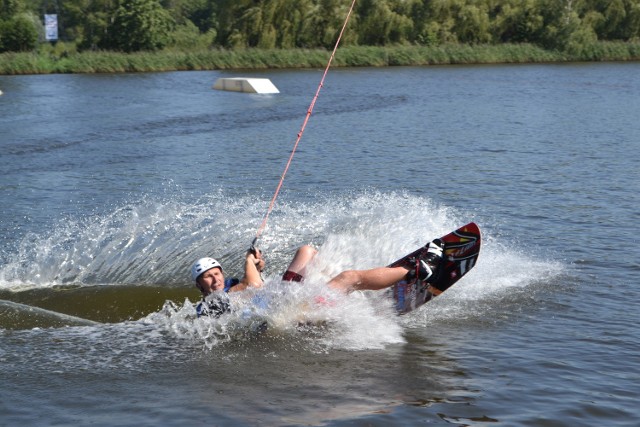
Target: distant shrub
[62,58]
[18,34]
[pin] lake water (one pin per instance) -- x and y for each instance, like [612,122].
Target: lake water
[111,185]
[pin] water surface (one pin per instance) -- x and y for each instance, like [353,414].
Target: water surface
[111,185]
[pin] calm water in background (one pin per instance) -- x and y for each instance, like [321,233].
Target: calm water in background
[110,186]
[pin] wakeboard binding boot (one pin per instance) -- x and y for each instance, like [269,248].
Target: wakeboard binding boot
[429,262]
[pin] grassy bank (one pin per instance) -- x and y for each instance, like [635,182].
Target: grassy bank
[351,56]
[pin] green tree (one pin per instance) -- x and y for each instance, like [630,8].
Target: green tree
[326,21]
[224,16]
[633,20]
[139,25]
[293,19]
[613,14]
[201,13]
[276,23]
[441,21]
[385,21]
[14,29]
[620,19]
[18,33]
[472,24]
[131,25]
[10,8]
[83,22]
[517,21]
[187,36]
[74,14]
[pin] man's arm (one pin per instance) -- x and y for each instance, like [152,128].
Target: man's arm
[253,266]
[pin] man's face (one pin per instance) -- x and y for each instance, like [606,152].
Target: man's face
[210,281]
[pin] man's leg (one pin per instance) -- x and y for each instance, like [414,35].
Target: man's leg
[347,281]
[297,268]
[374,279]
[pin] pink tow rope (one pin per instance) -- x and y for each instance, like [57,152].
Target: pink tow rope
[304,124]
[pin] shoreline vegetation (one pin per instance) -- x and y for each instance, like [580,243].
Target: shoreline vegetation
[56,60]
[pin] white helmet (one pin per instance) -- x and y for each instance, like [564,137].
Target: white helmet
[202,265]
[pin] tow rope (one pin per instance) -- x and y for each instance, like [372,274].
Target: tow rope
[304,124]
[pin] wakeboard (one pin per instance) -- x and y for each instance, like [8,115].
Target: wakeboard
[460,253]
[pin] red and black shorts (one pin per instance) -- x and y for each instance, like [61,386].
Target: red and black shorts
[290,276]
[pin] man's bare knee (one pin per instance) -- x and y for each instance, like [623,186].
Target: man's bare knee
[304,255]
[306,251]
[346,281]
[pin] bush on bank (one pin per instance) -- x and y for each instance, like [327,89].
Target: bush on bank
[66,59]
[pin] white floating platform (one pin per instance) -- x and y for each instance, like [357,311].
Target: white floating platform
[241,84]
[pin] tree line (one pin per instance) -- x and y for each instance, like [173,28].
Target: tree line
[147,25]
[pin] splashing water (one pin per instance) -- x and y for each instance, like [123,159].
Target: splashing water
[153,243]
[307,312]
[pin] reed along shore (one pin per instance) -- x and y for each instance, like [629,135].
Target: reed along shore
[59,60]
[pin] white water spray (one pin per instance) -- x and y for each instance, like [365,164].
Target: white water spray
[152,243]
